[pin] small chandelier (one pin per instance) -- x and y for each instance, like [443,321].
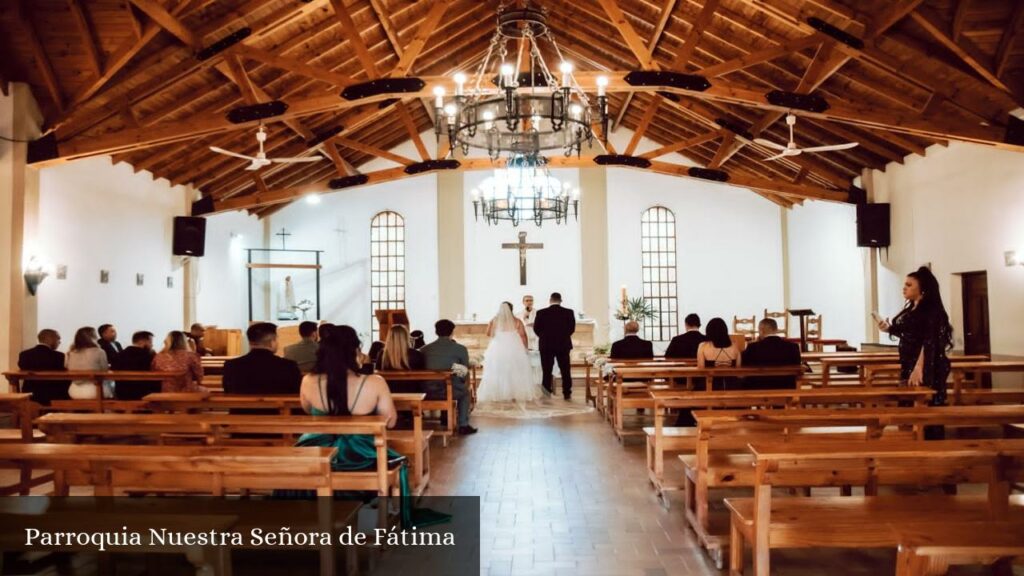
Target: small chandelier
[525,191]
[519,114]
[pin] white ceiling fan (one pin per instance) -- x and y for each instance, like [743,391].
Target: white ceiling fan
[260,159]
[790,149]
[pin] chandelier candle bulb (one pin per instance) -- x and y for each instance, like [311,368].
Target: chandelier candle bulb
[566,69]
[602,85]
[438,97]
[460,81]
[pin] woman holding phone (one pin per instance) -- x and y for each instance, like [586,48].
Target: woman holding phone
[925,334]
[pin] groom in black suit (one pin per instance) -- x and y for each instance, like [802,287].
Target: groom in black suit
[554,327]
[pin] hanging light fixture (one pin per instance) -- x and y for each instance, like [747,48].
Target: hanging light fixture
[525,191]
[515,105]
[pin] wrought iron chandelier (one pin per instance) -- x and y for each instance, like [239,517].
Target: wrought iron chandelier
[525,191]
[514,105]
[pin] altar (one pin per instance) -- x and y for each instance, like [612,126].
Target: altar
[473,335]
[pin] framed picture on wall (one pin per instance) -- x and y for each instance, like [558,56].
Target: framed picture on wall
[170,281]
[140,279]
[104,276]
[62,272]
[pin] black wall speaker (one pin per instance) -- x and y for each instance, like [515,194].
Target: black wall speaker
[873,225]
[189,236]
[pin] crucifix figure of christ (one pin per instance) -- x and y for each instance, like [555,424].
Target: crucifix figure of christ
[522,246]
[284,234]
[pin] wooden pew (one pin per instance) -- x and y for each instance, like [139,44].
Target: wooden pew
[414,444]
[220,429]
[864,521]
[15,378]
[662,439]
[930,549]
[603,379]
[635,395]
[446,404]
[23,411]
[868,364]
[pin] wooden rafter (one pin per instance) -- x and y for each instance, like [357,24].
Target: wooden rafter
[242,80]
[373,151]
[759,56]
[682,145]
[388,26]
[964,48]
[167,21]
[694,35]
[133,19]
[340,164]
[960,17]
[42,60]
[633,40]
[427,27]
[659,31]
[649,113]
[1010,34]
[85,31]
[293,65]
[414,133]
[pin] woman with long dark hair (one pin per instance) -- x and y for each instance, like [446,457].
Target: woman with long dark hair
[340,386]
[925,334]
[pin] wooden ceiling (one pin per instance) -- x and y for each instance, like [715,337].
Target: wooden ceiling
[123,77]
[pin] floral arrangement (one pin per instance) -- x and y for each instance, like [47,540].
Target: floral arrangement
[638,309]
[460,370]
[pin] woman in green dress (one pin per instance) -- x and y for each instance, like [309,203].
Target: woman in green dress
[339,386]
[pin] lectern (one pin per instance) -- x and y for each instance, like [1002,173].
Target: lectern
[388,318]
[802,315]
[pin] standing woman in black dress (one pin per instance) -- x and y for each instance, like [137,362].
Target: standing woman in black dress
[925,334]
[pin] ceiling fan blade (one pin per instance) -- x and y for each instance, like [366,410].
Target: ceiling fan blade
[832,147]
[776,157]
[770,144]
[294,160]
[230,153]
[257,163]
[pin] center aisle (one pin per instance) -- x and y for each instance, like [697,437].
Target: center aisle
[561,496]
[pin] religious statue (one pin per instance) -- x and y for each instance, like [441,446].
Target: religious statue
[286,301]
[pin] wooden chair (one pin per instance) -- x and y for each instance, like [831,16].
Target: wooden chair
[745,326]
[814,332]
[781,318]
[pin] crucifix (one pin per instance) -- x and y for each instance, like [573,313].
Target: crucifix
[522,246]
[284,234]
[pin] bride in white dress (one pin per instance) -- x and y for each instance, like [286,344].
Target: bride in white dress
[508,374]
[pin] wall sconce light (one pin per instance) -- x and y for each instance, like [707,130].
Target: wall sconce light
[1014,257]
[35,273]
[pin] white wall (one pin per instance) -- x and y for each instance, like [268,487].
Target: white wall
[826,270]
[222,296]
[728,244]
[492,273]
[93,216]
[959,208]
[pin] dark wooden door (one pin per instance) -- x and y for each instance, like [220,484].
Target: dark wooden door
[976,333]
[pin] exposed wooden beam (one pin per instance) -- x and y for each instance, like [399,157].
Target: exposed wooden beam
[960,17]
[242,80]
[427,27]
[1010,34]
[389,28]
[964,48]
[736,178]
[39,55]
[414,133]
[723,149]
[373,151]
[693,37]
[293,65]
[167,21]
[652,109]
[133,19]
[88,37]
[659,30]
[759,56]
[682,145]
[351,34]
[633,40]
[628,99]
[340,164]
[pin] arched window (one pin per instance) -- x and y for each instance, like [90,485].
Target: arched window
[387,264]
[658,251]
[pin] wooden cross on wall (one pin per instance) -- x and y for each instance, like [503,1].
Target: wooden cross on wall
[284,234]
[522,246]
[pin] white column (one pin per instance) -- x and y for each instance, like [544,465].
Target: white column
[870,268]
[19,216]
[594,248]
[451,244]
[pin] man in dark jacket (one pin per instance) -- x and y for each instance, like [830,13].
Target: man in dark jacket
[108,341]
[136,358]
[770,350]
[261,372]
[685,345]
[44,356]
[554,327]
[632,346]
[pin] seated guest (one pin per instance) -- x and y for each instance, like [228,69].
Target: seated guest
[322,330]
[136,358]
[376,349]
[685,345]
[441,354]
[108,341]
[632,346]
[44,357]
[85,354]
[177,356]
[417,339]
[770,350]
[196,334]
[303,352]
[398,355]
[260,372]
[717,351]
